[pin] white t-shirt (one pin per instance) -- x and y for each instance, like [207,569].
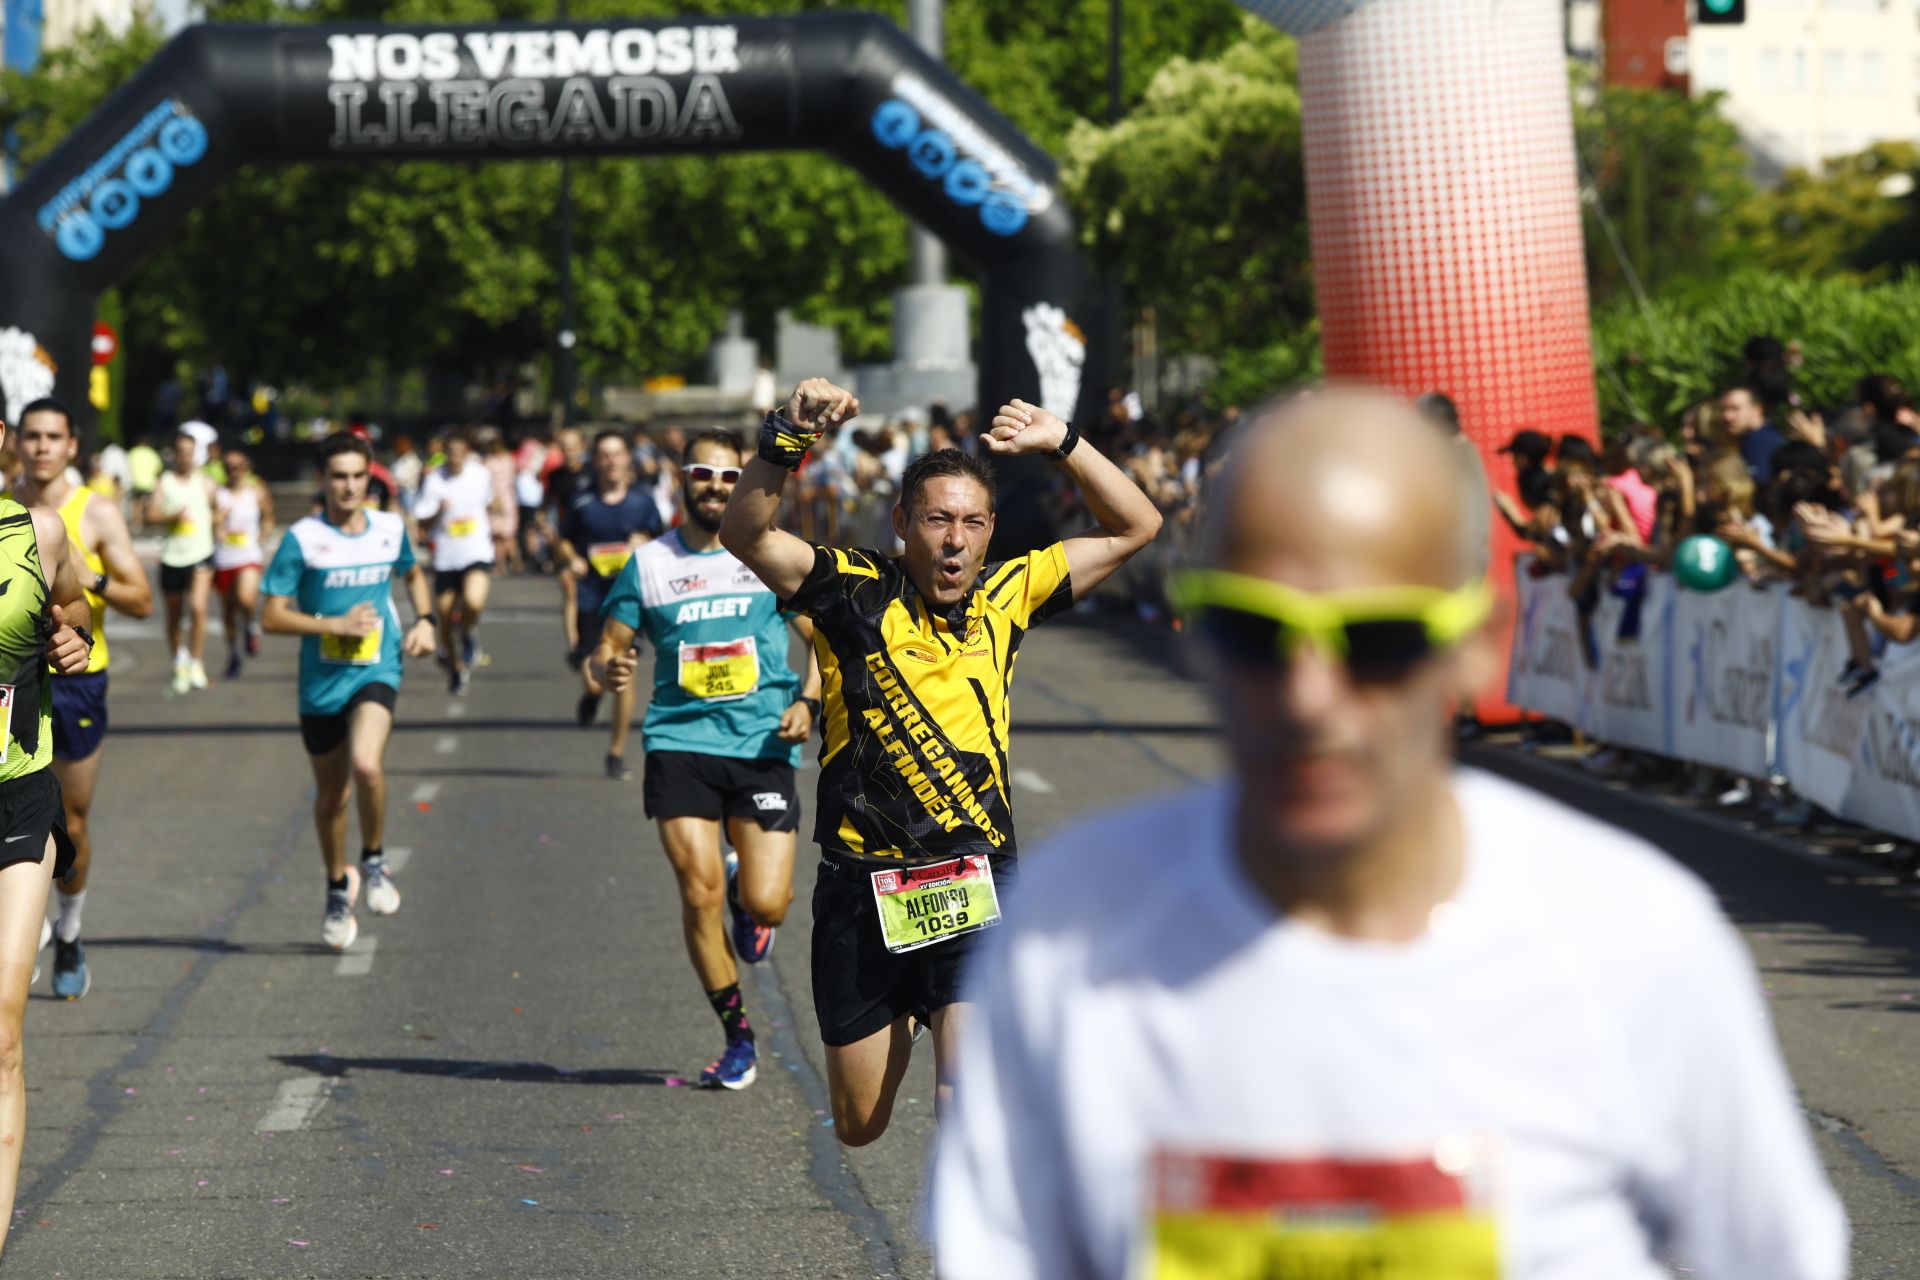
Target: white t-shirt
[1582,1006]
[238,515]
[462,538]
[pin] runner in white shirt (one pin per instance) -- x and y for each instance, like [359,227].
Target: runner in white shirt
[1351,1012]
[455,500]
[243,510]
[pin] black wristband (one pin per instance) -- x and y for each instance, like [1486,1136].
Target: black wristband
[1067,442]
[783,444]
[813,705]
[433,618]
[84,634]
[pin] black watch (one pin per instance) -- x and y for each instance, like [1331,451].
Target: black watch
[84,634]
[433,618]
[1067,442]
[813,705]
[100,585]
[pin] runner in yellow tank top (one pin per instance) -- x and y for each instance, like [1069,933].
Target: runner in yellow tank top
[114,578]
[183,502]
[43,619]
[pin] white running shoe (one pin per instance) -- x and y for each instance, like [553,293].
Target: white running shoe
[197,674]
[182,679]
[383,895]
[339,929]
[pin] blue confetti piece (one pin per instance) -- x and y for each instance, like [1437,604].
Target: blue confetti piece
[535,1203]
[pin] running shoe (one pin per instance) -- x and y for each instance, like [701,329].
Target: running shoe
[197,674]
[1863,682]
[618,769]
[339,929]
[459,682]
[586,709]
[751,942]
[233,667]
[383,895]
[734,1069]
[71,976]
[182,679]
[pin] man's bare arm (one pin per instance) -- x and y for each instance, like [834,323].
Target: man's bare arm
[749,529]
[128,590]
[1127,518]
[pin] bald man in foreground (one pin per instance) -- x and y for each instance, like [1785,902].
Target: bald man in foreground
[1355,1011]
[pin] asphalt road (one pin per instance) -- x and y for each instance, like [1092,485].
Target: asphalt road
[493,1083]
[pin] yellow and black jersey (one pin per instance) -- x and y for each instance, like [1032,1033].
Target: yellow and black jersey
[26,697]
[914,759]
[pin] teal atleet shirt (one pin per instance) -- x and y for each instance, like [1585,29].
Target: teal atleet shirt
[326,571]
[720,676]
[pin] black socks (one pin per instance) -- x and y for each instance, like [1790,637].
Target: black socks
[732,1011]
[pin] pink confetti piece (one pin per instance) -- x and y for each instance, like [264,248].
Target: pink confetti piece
[131,1091]
[281,1200]
[301,1244]
[616,1115]
[673,1082]
[445,1173]
[201,1089]
[176,1151]
[529,1168]
[191,1119]
[201,1183]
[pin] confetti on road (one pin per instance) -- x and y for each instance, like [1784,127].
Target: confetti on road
[529,1168]
[445,1173]
[534,1203]
[301,1244]
[281,1200]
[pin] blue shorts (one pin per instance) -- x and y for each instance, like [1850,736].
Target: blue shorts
[79,714]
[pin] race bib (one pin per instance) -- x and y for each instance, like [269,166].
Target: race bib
[185,528]
[717,672]
[238,539]
[1241,1218]
[462,528]
[357,651]
[920,906]
[609,558]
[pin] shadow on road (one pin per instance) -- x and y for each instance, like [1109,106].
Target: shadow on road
[475,1069]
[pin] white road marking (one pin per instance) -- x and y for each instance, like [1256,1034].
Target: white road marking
[1031,781]
[397,859]
[357,963]
[295,1106]
[426,792]
[446,744]
[456,710]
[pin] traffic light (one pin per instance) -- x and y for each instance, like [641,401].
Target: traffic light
[1719,13]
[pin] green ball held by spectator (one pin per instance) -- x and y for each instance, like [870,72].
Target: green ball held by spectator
[1703,563]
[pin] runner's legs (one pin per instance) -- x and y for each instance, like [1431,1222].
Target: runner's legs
[624,702]
[949,1025]
[693,849]
[197,595]
[369,728]
[77,778]
[864,1077]
[176,609]
[443,605]
[766,870]
[23,905]
[333,778]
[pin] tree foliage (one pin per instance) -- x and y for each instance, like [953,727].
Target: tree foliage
[1197,200]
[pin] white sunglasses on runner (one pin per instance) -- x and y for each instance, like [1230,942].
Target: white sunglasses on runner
[701,473]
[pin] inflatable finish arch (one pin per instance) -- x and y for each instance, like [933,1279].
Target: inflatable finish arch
[854,85]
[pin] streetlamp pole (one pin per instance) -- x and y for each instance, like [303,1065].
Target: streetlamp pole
[563,378]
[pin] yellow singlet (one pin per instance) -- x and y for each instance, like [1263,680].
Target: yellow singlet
[72,511]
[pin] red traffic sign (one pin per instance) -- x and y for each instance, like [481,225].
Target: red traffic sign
[106,343]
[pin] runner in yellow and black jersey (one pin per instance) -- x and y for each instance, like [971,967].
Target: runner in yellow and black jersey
[914,764]
[916,653]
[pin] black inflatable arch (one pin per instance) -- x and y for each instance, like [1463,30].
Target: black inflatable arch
[853,84]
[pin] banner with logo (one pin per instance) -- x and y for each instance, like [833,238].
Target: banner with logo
[1885,780]
[1631,701]
[1819,725]
[1724,644]
[1546,674]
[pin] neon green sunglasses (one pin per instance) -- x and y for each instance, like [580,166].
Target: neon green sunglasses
[1381,633]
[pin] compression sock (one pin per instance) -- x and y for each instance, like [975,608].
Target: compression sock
[732,1012]
[374,854]
[67,927]
[337,886]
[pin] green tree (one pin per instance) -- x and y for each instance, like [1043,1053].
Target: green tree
[1197,200]
[1667,174]
[1851,216]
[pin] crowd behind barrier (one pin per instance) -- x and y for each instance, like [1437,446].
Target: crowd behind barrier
[1748,679]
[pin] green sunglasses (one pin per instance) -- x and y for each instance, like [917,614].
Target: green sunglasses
[1381,633]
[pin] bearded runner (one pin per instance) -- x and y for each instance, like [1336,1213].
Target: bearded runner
[916,651]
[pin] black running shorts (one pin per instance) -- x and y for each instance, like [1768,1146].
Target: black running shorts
[687,784]
[323,733]
[30,810]
[860,987]
[178,579]
[447,581]
[79,714]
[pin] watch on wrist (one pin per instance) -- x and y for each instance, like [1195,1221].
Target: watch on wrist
[84,634]
[99,587]
[813,705]
[431,618]
[1067,442]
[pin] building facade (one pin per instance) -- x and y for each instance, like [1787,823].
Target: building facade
[1809,79]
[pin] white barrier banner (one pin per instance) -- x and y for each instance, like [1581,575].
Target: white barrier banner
[1631,703]
[1724,643]
[1545,673]
[1820,727]
[1885,791]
